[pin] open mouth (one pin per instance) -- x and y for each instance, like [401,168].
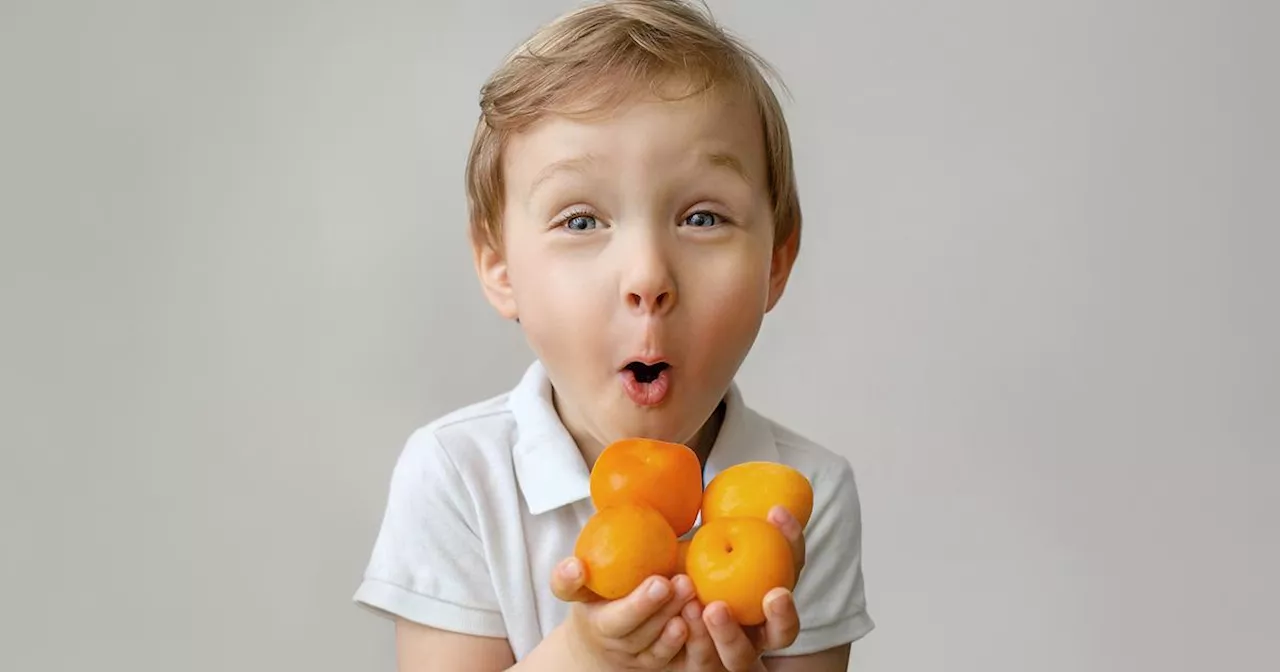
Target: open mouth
[647,373]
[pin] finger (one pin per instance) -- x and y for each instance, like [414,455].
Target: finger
[782,622]
[732,644]
[568,582]
[667,645]
[794,534]
[621,617]
[645,634]
[699,650]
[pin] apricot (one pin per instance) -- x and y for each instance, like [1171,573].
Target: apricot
[664,476]
[753,488]
[682,553]
[623,545]
[738,560]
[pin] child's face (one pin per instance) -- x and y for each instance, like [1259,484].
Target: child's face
[645,236]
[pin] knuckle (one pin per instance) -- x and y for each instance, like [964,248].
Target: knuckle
[604,630]
[630,647]
[780,641]
[739,656]
[659,655]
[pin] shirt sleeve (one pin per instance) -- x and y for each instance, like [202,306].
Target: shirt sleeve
[428,563]
[829,594]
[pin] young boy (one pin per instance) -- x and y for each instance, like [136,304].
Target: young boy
[633,208]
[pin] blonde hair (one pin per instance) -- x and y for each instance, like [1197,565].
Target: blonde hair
[568,66]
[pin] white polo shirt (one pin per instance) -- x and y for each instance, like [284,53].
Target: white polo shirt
[485,501]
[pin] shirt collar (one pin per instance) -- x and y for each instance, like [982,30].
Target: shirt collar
[551,471]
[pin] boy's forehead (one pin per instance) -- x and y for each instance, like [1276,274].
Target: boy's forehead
[720,128]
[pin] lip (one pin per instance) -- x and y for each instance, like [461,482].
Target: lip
[647,359]
[646,394]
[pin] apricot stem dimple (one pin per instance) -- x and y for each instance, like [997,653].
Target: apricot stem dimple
[728,548]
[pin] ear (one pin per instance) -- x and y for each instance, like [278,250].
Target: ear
[491,268]
[784,257]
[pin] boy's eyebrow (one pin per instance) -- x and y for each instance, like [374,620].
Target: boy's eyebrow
[730,161]
[580,164]
[577,164]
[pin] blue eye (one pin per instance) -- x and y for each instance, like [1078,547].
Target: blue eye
[580,223]
[700,219]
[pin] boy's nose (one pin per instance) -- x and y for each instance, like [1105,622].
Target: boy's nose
[649,287]
[651,302]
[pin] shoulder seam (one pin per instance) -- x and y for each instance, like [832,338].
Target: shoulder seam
[453,465]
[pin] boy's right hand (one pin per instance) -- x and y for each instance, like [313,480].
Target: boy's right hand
[642,631]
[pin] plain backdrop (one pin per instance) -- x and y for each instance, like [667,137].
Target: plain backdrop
[1036,306]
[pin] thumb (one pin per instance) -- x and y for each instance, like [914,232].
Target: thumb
[568,581]
[794,533]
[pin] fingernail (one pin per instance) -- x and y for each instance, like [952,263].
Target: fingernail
[684,587]
[719,615]
[658,589]
[776,603]
[780,516]
[571,570]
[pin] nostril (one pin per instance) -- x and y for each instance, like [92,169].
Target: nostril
[649,301]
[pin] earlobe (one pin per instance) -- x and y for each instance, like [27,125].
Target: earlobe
[491,268]
[784,257]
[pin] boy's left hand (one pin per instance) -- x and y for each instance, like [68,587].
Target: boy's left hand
[716,643]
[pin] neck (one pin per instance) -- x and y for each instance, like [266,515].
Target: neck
[706,436]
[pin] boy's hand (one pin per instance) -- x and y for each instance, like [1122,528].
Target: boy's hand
[642,631]
[716,643]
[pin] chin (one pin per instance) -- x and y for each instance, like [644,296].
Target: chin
[671,430]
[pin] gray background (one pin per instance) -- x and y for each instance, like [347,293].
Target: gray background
[1035,307]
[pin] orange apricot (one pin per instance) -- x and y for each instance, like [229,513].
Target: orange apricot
[621,546]
[682,553]
[738,560]
[661,475]
[753,488]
